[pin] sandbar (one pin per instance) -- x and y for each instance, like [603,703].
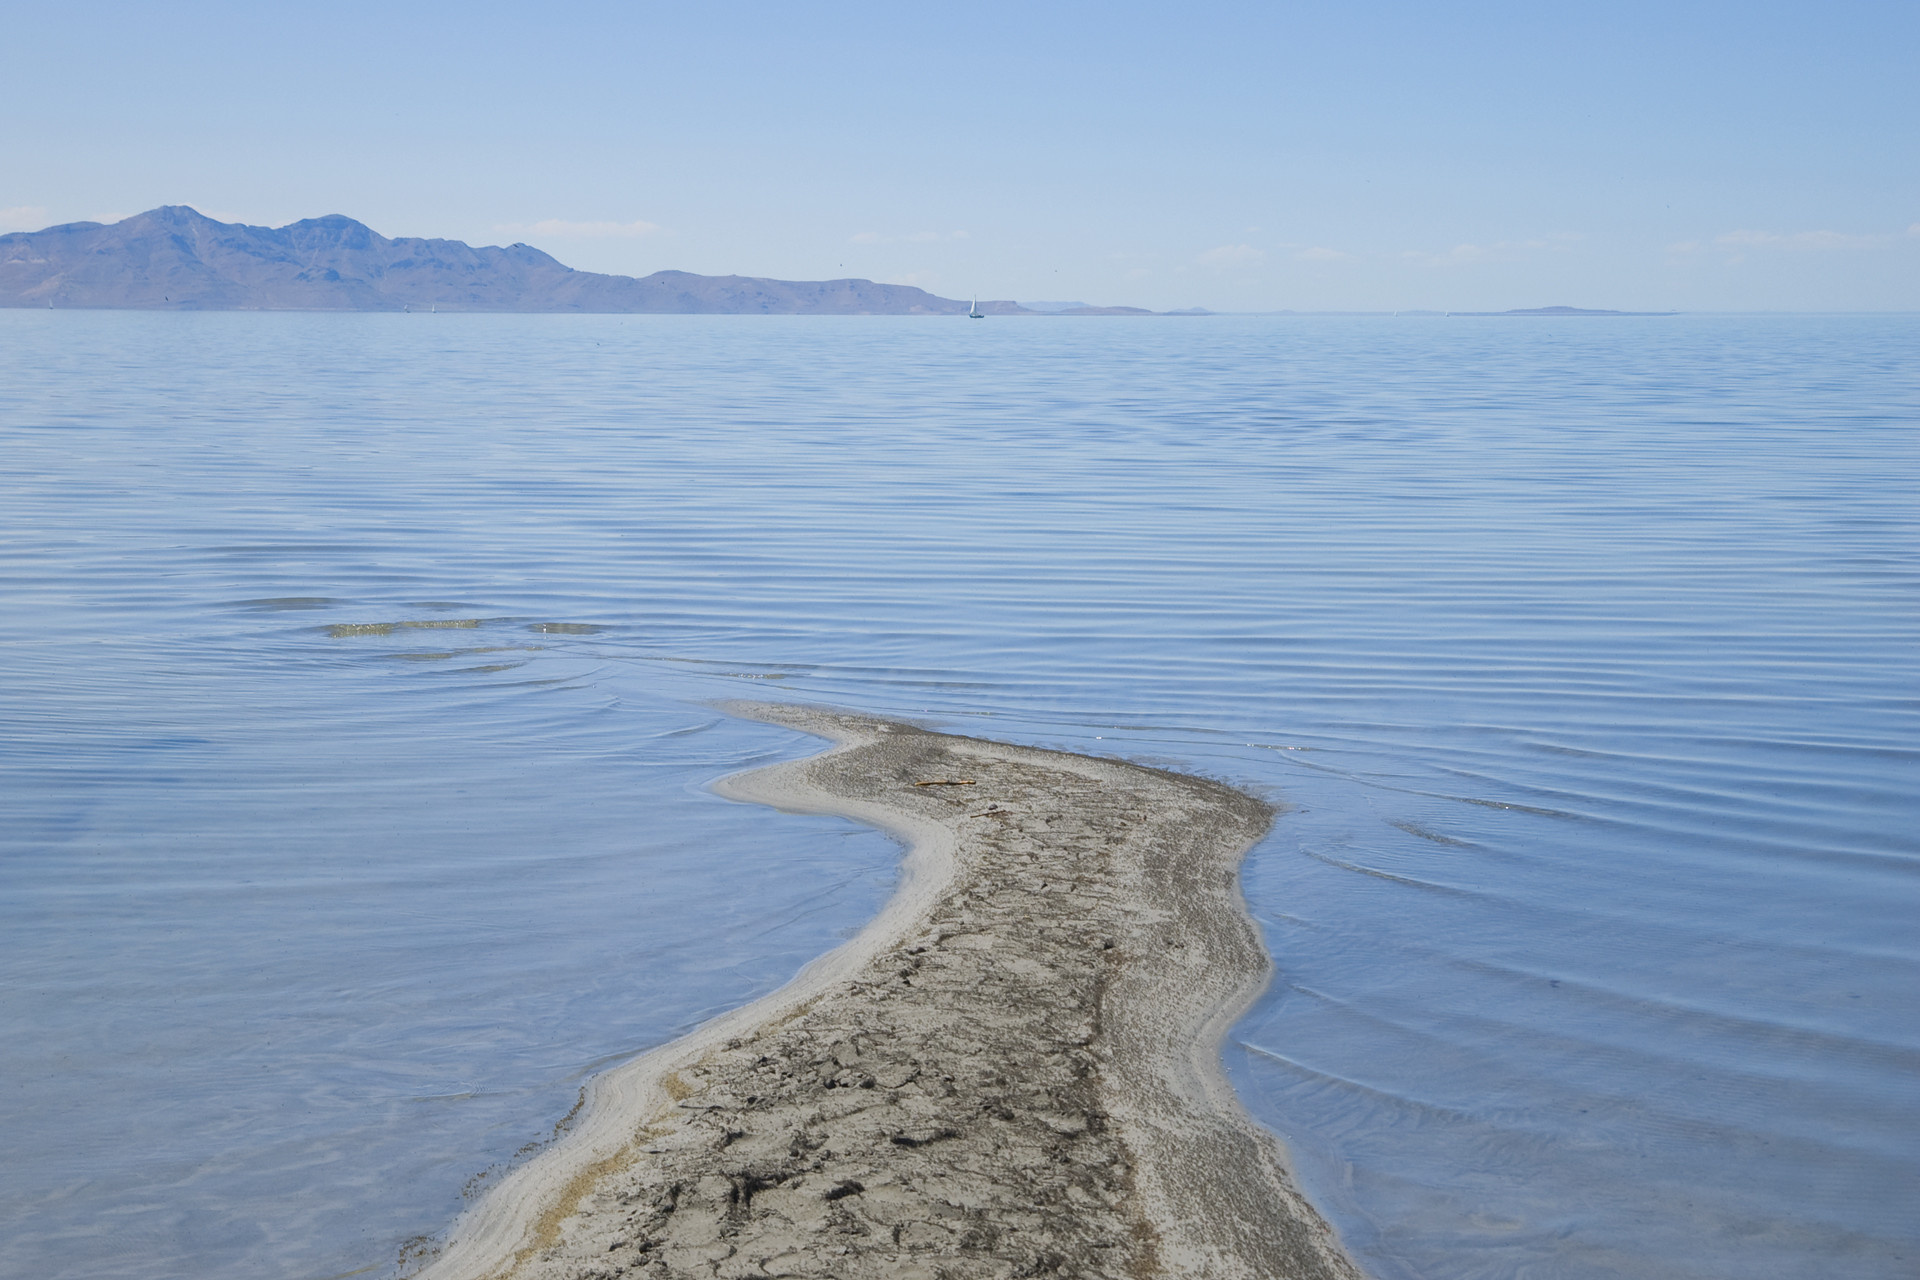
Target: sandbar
[1013,1070]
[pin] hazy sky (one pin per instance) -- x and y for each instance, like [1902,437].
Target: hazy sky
[1234,156]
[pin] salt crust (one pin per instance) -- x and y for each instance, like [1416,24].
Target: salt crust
[1013,1070]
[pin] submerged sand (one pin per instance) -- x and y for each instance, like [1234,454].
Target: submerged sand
[1012,1071]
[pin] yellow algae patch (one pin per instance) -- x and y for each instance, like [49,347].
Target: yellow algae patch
[342,630]
[546,1229]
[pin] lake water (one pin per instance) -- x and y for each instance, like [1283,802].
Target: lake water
[354,743]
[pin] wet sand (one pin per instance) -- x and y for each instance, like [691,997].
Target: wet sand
[1013,1070]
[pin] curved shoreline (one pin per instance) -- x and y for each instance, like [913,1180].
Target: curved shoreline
[1013,1068]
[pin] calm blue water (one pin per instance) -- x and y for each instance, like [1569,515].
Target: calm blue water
[353,745]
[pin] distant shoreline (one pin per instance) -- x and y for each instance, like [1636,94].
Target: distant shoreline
[184,309]
[1188,313]
[176,259]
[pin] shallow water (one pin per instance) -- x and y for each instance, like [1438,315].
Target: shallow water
[354,745]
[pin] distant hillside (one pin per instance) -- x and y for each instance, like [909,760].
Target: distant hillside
[173,258]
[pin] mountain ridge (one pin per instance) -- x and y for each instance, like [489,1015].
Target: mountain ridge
[175,258]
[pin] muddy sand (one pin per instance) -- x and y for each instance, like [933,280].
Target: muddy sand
[1012,1071]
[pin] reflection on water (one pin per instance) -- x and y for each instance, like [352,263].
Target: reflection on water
[355,747]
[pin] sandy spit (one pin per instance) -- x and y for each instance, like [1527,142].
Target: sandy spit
[1013,1070]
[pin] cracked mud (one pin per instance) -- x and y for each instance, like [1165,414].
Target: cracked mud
[1021,1081]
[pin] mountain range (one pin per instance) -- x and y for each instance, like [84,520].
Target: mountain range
[174,258]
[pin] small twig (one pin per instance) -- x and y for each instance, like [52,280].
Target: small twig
[947,782]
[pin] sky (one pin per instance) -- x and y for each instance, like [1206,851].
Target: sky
[1363,156]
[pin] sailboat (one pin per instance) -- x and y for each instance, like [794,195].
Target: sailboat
[976,313]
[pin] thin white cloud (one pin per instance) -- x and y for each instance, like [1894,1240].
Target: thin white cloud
[1498,251]
[23,217]
[1736,245]
[912,237]
[562,229]
[1319,253]
[1227,257]
[1799,240]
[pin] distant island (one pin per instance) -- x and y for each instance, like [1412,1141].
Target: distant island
[176,259]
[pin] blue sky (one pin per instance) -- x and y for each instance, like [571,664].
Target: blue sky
[1239,157]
